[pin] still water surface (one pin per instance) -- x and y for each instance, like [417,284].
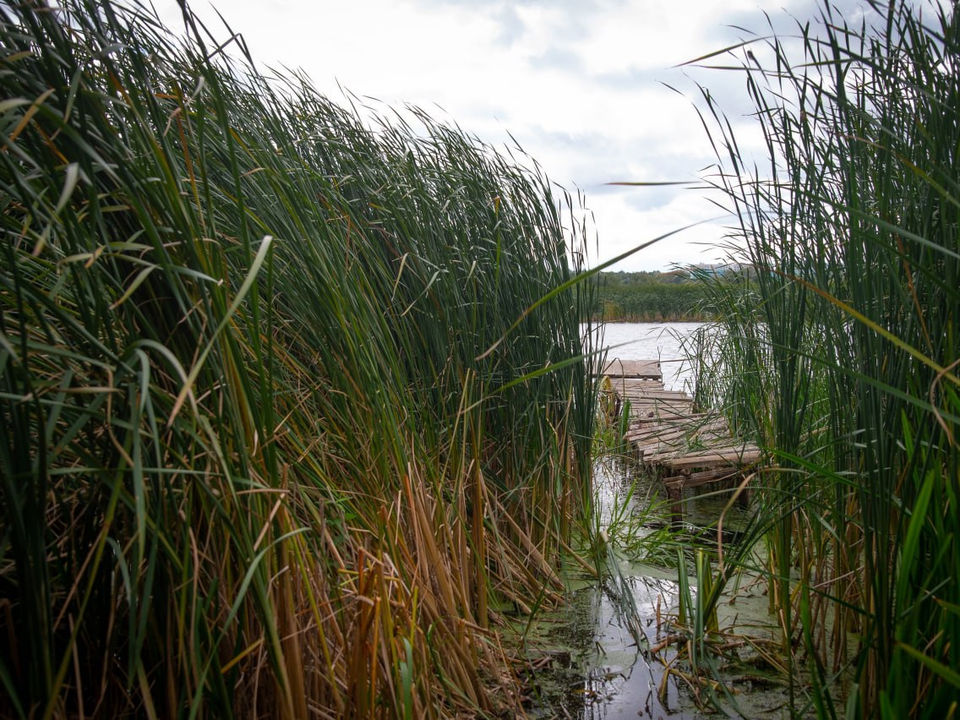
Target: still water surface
[607,675]
[653,341]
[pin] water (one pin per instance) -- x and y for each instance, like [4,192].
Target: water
[653,341]
[607,674]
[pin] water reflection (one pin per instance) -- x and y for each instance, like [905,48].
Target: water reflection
[622,681]
[617,635]
[610,632]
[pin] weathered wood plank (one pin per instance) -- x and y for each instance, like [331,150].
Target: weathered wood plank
[663,429]
[726,456]
[699,478]
[649,369]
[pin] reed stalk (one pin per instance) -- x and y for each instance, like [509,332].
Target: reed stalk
[273,440]
[840,354]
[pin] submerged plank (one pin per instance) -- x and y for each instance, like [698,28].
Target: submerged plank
[699,478]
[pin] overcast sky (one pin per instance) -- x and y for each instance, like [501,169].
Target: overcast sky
[579,84]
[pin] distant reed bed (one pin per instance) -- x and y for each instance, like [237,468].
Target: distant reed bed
[291,412]
[841,355]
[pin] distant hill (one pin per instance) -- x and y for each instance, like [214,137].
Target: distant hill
[651,297]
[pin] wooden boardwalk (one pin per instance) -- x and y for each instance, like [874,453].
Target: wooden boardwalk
[685,449]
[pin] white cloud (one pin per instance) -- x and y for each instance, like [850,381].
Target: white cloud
[577,84]
[622,227]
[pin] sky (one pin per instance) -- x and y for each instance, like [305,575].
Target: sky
[591,89]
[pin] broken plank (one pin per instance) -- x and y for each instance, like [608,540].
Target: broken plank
[735,456]
[699,478]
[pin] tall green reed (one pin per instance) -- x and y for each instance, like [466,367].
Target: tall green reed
[840,354]
[272,436]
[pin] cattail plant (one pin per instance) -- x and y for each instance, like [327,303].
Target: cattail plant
[291,406]
[840,354]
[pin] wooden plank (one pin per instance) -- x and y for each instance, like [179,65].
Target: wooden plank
[669,433]
[641,430]
[646,385]
[699,478]
[653,394]
[636,396]
[631,388]
[677,402]
[655,415]
[694,418]
[643,386]
[642,407]
[654,453]
[729,456]
[633,369]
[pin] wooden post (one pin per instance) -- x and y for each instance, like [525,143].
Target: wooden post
[675,494]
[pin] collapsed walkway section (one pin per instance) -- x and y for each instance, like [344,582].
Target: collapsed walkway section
[686,449]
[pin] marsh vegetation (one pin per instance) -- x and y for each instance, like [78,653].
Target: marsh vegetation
[841,357]
[674,296]
[289,416]
[295,416]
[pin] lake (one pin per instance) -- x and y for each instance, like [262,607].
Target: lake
[653,341]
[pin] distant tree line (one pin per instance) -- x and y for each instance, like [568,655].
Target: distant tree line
[651,297]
